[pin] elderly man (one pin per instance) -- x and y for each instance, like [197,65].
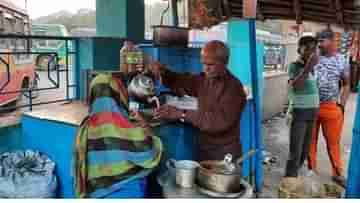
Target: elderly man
[330,72]
[221,100]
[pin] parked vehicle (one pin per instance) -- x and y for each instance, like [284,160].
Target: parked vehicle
[49,46]
[17,71]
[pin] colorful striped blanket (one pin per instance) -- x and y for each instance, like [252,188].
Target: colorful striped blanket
[110,151]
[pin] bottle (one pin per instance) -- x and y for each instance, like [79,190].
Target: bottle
[123,59]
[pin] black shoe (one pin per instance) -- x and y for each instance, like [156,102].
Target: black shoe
[340,180]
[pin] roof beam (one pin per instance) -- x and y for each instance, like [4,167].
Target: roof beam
[298,11]
[277,2]
[339,12]
[309,6]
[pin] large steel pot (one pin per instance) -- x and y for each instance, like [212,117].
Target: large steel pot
[213,175]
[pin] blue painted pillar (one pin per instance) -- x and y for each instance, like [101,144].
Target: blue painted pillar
[244,64]
[120,18]
[353,184]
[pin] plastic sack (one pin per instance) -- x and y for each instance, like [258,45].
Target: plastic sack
[27,174]
[301,187]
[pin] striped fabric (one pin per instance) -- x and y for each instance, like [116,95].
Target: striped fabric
[110,152]
[329,73]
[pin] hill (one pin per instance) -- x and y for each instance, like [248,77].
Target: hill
[82,18]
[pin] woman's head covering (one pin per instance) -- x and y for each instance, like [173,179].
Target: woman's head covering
[111,152]
[105,85]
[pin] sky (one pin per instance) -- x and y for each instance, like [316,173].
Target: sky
[38,8]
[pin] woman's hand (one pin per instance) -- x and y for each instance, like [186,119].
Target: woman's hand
[139,119]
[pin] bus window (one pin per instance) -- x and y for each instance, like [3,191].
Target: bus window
[53,43]
[19,26]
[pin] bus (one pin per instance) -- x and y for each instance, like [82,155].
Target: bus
[17,72]
[42,45]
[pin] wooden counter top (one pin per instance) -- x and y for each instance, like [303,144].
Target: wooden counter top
[69,113]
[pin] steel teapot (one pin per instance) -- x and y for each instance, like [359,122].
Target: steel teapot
[142,87]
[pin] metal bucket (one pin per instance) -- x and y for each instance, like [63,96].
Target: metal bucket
[185,172]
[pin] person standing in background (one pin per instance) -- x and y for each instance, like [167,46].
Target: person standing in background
[304,103]
[330,73]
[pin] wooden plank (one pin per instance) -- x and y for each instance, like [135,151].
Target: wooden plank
[352,21]
[322,14]
[227,8]
[276,2]
[309,6]
[275,11]
[331,4]
[318,19]
[348,5]
[236,5]
[317,2]
[354,12]
[73,113]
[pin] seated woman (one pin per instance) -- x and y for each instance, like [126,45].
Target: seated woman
[112,155]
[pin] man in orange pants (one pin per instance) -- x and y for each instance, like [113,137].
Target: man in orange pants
[329,72]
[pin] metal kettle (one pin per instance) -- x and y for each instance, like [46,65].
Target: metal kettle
[142,88]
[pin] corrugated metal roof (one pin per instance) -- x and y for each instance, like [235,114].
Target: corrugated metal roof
[342,12]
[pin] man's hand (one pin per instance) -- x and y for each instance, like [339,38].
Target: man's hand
[156,68]
[311,62]
[167,112]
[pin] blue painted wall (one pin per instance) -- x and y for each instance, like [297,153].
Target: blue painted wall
[98,53]
[56,140]
[10,138]
[179,139]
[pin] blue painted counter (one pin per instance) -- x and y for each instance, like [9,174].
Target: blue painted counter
[10,138]
[353,184]
[52,132]
[56,140]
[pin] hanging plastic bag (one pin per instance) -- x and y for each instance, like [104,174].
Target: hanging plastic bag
[206,13]
[27,174]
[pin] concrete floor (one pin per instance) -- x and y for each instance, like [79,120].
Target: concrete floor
[276,139]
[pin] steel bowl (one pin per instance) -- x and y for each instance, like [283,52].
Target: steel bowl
[214,176]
